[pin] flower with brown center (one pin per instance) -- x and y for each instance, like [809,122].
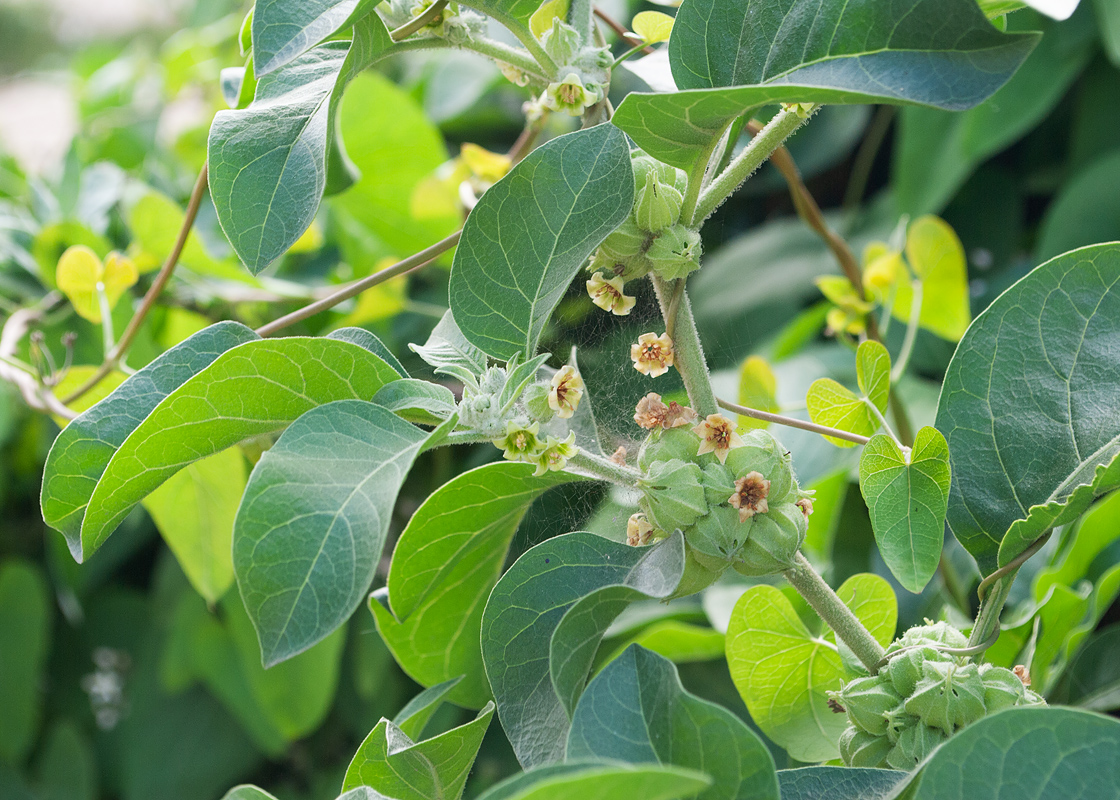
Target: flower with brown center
[653,354]
[651,412]
[717,435]
[638,530]
[567,389]
[750,495]
[607,294]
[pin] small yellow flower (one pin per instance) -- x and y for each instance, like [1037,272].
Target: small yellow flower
[607,294]
[653,354]
[555,455]
[717,435]
[750,495]
[520,442]
[567,389]
[638,530]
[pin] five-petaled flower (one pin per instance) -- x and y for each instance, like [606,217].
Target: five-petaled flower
[520,442]
[571,95]
[717,435]
[653,354]
[567,389]
[750,495]
[638,530]
[607,294]
[555,454]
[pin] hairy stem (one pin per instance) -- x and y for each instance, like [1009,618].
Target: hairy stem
[835,613]
[421,259]
[431,13]
[689,207]
[581,18]
[604,469]
[753,156]
[993,592]
[688,355]
[500,51]
[118,352]
[793,422]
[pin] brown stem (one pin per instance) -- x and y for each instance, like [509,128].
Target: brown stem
[413,262]
[617,28]
[114,356]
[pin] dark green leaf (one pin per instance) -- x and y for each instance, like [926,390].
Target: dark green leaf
[906,497]
[600,781]
[25,628]
[1028,405]
[837,783]
[312,524]
[532,231]
[82,451]
[444,566]
[65,766]
[1086,210]
[545,619]
[636,710]
[282,31]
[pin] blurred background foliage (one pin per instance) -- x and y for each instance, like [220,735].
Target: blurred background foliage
[137,674]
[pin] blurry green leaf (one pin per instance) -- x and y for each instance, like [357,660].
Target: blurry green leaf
[517,12]
[1108,20]
[609,781]
[1086,210]
[1057,752]
[677,641]
[194,512]
[65,768]
[25,632]
[53,240]
[155,221]
[77,376]
[758,388]
[937,257]
[1027,406]
[906,496]
[1091,681]
[445,565]
[545,619]
[282,31]
[837,783]
[415,715]
[828,500]
[532,231]
[258,387]
[83,278]
[936,151]
[311,527]
[79,456]
[390,761]
[636,711]
[541,20]
[784,672]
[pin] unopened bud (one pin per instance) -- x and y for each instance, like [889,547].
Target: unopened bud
[675,252]
[657,205]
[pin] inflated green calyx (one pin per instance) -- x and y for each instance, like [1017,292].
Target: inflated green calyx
[665,445]
[675,252]
[774,540]
[657,205]
[672,496]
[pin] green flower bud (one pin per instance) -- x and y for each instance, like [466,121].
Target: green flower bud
[657,205]
[492,381]
[561,41]
[536,402]
[861,749]
[672,495]
[626,243]
[949,695]
[867,701]
[666,174]
[773,542]
[665,444]
[718,483]
[697,576]
[1002,689]
[628,269]
[762,453]
[936,632]
[915,742]
[718,536]
[675,252]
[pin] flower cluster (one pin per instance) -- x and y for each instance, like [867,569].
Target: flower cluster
[522,443]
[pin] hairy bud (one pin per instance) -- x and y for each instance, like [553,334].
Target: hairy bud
[672,496]
[657,205]
[675,252]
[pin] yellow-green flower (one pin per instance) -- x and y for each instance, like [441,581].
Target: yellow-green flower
[570,95]
[607,294]
[567,389]
[520,442]
[555,455]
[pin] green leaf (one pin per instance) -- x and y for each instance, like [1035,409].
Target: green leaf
[784,672]
[312,524]
[837,783]
[1108,18]
[155,220]
[940,53]
[1086,209]
[873,373]
[25,633]
[545,619]
[833,404]
[636,710]
[80,454]
[389,761]
[541,20]
[194,511]
[606,781]
[518,12]
[937,257]
[448,351]
[283,31]
[1048,752]
[758,388]
[907,494]
[417,401]
[247,793]
[415,715]
[532,231]
[1027,406]
[445,565]
[269,162]
[256,388]
[66,768]
[677,641]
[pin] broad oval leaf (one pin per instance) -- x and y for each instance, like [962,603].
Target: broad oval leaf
[1028,406]
[283,30]
[636,710]
[600,781]
[532,231]
[784,672]
[444,566]
[312,524]
[831,403]
[1059,753]
[906,496]
[80,454]
[258,387]
[545,619]
[390,761]
[838,783]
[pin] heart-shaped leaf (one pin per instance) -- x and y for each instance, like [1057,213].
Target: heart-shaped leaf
[1028,406]
[530,234]
[907,494]
[636,710]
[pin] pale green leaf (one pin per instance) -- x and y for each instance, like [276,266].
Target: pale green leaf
[447,351]
[758,389]
[541,20]
[155,220]
[937,257]
[836,406]
[282,30]
[873,373]
[652,26]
